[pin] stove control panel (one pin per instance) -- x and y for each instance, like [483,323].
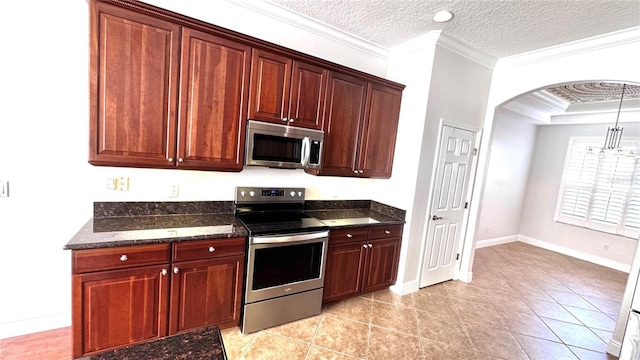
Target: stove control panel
[269,195]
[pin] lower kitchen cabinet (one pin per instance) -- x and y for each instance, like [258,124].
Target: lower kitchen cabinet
[119,307]
[361,260]
[206,292]
[124,295]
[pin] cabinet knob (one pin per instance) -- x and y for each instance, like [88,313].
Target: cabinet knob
[170,159]
[163,272]
[370,246]
[349,235]
[387,232]
[176,270]
[360,171]
[212,249]
[285,119]
[180,159]
[124,258]
[355,171]
[364,246]
[291,120]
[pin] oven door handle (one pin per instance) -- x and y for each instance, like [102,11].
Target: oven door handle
[288,238]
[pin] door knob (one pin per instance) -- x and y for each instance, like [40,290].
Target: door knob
[434,217]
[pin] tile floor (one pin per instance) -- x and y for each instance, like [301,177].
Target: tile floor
[524,303]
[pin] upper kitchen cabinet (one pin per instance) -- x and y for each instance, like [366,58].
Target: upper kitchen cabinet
[377,144]
[134,77]
[135,92]
[286,91]
[214,89]
[345,105]
[360,124]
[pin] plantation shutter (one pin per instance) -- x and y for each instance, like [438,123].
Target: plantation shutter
[632,220]
[601,193]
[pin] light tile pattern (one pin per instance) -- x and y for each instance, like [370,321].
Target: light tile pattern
[523,303]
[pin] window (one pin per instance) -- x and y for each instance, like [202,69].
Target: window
[601,193]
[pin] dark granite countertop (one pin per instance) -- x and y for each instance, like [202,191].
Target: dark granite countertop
[138,223]
[122,224]
[354,213]
[202,344]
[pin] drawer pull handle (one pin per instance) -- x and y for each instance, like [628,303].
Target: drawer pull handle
[124,258]
[163,272]
[212,249]
[387,232]
[176,270]
[349,235]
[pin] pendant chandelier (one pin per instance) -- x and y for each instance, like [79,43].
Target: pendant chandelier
[614,134]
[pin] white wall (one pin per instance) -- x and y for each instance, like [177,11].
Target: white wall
[444,82]
[541,197]
[506,180]
[587,60]
[44,150]
[609,57]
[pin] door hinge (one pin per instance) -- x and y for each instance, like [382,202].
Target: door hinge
[458,257]
[466,205]
[475,151]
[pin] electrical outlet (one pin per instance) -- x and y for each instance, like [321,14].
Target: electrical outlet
[174,191]
[4,188]
[112,183]
[123,183]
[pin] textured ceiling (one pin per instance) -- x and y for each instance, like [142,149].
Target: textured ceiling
[497,27]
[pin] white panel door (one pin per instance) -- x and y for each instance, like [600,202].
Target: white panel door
[448,206]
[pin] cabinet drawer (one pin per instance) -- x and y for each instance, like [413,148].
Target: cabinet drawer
[385,231]
[349,235]
[207,249]
[119,257]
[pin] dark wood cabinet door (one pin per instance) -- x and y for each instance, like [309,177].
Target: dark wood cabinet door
[379,131]
[381,266]
[343,273]
[206,292]
[119,307]
[308,91]
[133,82]
[343,115]
[213,95]
[270,85]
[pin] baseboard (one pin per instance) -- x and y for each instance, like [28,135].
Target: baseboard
[405,288]
[612,264]
[614,348]
[467,277]
[496,241]
[29,326]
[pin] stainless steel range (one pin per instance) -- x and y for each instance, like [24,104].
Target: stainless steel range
[285,259]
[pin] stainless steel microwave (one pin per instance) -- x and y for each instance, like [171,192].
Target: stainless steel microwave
[283,146]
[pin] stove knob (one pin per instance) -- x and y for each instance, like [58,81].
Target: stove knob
[252,193]
[300,193]
[293,194]
[242,193]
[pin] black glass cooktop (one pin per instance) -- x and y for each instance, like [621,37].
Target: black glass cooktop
[275,222]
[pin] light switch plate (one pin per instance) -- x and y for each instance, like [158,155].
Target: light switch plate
[4,188]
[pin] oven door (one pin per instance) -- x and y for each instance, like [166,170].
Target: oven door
[285,264]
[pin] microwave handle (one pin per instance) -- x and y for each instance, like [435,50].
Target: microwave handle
[306,151]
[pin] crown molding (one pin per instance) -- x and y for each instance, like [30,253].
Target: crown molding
[616,38]
[466,50]
[307,24]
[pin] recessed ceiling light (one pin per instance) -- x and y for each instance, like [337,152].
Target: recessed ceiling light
[443,16]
